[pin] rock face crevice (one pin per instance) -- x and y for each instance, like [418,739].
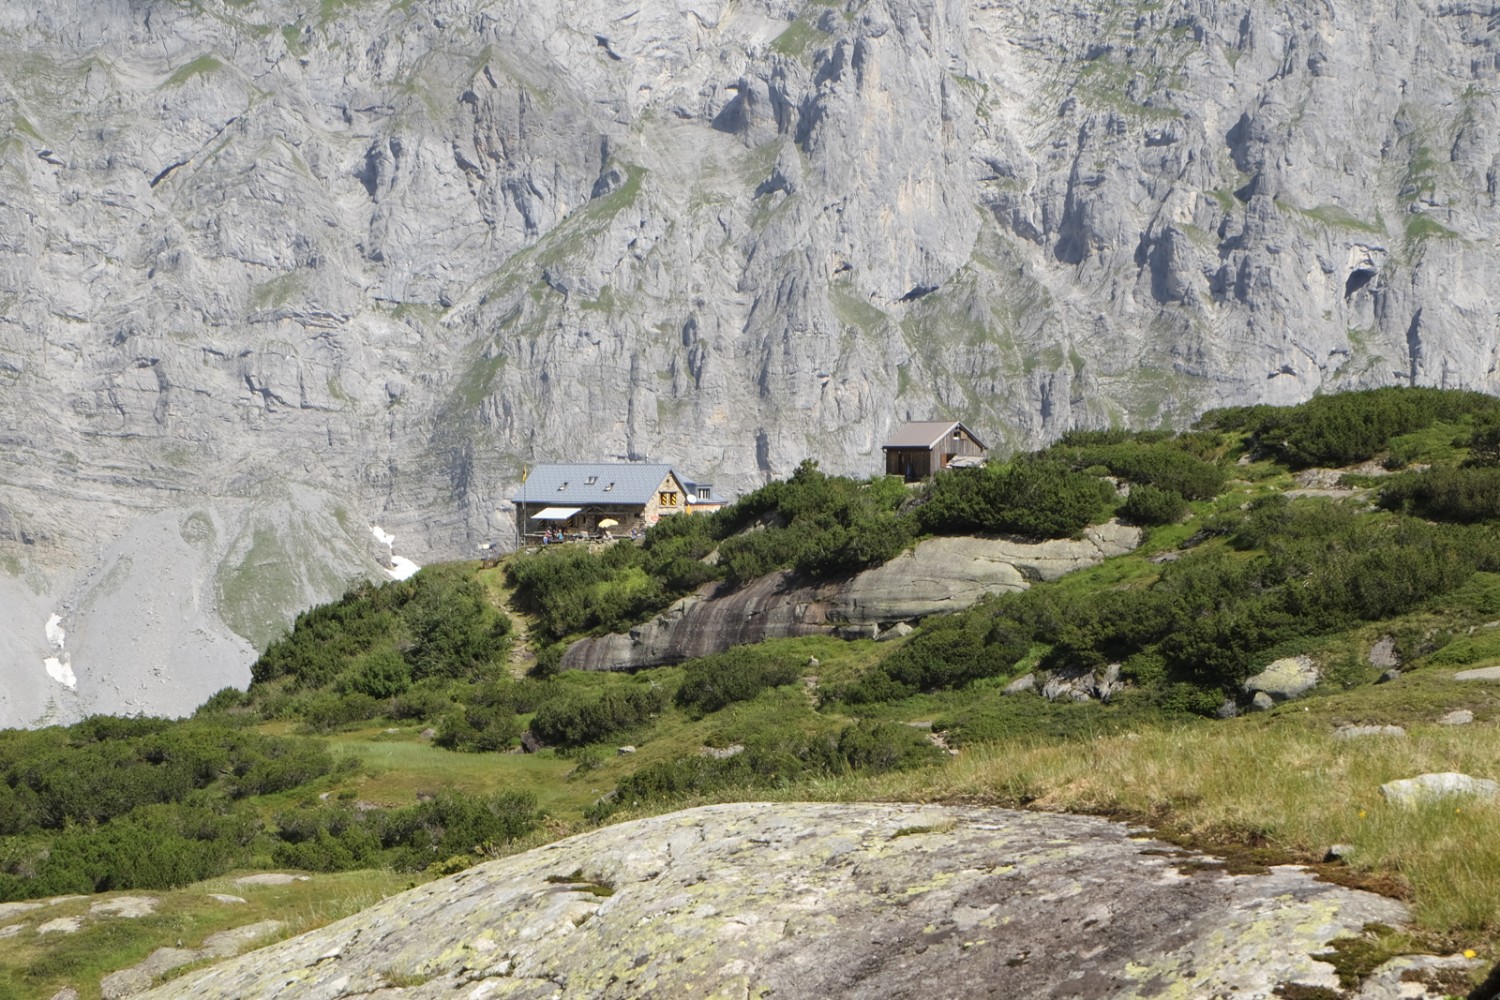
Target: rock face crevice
[937,576]
[828,900]
[392,254]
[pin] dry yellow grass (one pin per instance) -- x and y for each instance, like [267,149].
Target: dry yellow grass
[1275,784]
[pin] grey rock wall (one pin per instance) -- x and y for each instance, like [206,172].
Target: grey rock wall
[383,256]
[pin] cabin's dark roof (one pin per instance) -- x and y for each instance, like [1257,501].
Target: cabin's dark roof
[925,434]
[612,483]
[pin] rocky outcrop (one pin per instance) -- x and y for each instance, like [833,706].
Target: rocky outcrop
[804,901]
[936,576]
[1426,788]
[1284,679]
[381,257]
[950,574]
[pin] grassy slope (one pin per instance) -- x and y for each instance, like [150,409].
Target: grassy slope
[1273,787]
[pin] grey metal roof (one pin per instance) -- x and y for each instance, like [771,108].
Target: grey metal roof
[925,434]
[591,483]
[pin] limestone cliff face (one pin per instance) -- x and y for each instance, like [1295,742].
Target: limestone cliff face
[286,270]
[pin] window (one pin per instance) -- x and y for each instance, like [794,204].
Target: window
[667,498]
[610,486]
[591,480]
[563,486]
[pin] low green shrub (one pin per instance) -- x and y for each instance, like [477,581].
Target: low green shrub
[947,651]
[1348,427]
[1034,499]
[585,718]
[740,674]
[1148,505]
[1143,459]
[775,757]
[479,729]
[1464,495]
[410,839]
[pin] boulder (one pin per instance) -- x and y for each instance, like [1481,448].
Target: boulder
[235,940]
[1284,679]
[826,900]
[1457,717]
[1356,732]
[1262,702]
[1022,684]
[125,906]
[900,630]
[61,925]
[1480,674]
[1382,655]
[1390,675]
[270,878]
[1430,787]
[950,574]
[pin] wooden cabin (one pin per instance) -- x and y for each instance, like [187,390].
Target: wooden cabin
[587,500]
[924,447]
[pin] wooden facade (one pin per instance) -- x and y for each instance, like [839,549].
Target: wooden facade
[922,448]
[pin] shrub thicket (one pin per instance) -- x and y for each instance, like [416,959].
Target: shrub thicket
[776,757]
[1035,499]
[949,651]
[438,623]
[338,839]
[1143,459]
[589,717]
[1148,506]
[1211,617]
[136,803]
[739,674]
[1348,427]
[1466,495]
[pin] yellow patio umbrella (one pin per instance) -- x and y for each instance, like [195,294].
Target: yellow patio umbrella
[608,522]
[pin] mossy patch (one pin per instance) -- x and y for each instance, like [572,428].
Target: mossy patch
[579,882]
[202,66]
[1354,958]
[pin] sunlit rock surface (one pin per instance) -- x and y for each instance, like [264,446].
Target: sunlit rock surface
[803,901]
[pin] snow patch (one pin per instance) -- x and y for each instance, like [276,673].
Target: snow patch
[397,567]
[54,630]
[58,668]
[61,671]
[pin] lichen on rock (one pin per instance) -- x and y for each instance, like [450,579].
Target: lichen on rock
[820,900]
